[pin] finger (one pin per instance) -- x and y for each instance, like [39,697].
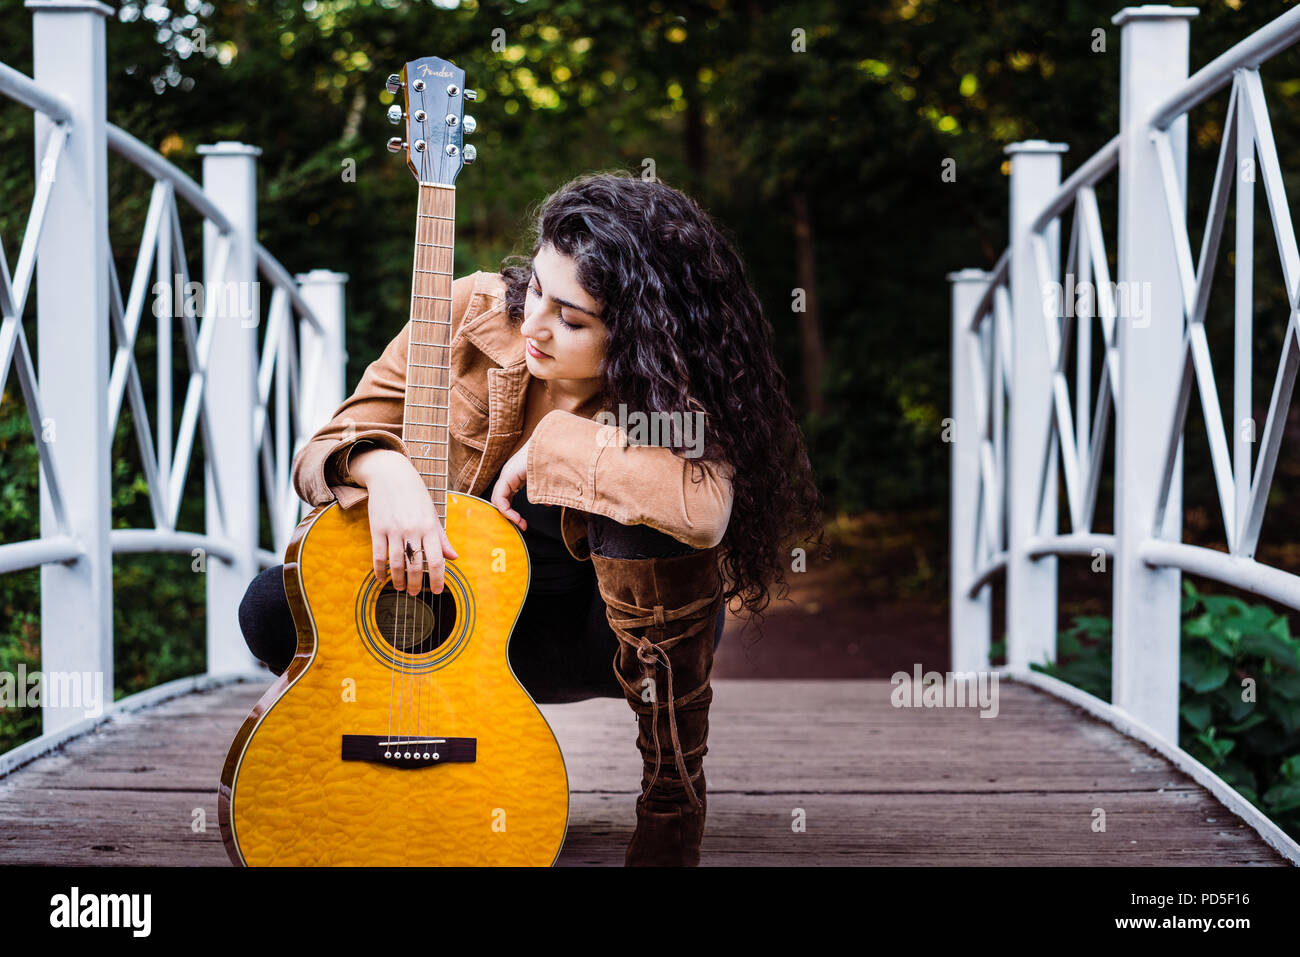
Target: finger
[437,565]
[503,505]
[501,494]
[397,560]
[447,550]
[379,556]
[415,568]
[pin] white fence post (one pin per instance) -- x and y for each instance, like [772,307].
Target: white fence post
[1031,583]
[230,180]
[73,341]
[1153,63]
[970,618]
[322,290]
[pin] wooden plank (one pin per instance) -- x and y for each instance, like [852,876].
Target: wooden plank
[65,827]
[857,741]
[89,827]
[899,829]
[876,784]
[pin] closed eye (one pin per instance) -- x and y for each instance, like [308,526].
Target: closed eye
[559,314]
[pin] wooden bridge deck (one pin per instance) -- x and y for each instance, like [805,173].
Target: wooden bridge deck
[878,785]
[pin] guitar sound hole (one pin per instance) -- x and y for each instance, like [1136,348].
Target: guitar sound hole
[415,624]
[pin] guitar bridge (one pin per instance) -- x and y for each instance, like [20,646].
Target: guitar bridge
[408,751]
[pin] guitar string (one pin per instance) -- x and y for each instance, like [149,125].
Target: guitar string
[414,702]
[443,373]
[402,645]
[415,680]
[400,598]
[418,679]
[417,626]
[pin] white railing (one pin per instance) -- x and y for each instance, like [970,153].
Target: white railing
[251,413]
[1025,424]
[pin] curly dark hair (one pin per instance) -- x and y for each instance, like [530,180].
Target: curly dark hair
[687,333]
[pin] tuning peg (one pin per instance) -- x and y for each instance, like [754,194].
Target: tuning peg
[396,145]
[469,124]
[471,94]
[394,83]
[470,154]
[395,114]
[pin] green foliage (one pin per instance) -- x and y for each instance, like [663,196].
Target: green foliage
[20,646]
[1239,709]
[20,606]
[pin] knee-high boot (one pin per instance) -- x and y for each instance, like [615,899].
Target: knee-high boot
[664,612]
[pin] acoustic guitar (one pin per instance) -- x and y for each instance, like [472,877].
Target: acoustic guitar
[399,734]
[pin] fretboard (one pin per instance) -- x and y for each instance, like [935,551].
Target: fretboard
[428,364]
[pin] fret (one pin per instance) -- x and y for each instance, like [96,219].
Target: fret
[426,405]
[431,458]
[434,216]
[420,295]
[431,365]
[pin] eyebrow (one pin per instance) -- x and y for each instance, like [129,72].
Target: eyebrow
[563,302]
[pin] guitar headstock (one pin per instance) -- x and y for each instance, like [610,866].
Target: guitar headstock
[434,94]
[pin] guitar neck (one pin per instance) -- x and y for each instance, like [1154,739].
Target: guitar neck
[428,364]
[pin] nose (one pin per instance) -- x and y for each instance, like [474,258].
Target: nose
[532,327]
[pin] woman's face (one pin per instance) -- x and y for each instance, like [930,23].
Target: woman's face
[561,321]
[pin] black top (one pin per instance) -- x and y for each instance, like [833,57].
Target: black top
[554,570]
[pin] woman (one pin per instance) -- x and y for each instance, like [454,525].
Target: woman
[633,317]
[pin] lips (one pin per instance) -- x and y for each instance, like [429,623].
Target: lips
[534,351]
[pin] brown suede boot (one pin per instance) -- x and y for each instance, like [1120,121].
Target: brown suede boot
[664,612]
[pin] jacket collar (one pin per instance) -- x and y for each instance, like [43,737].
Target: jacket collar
[494,335]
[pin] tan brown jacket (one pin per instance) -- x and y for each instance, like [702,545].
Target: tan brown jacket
[573,460]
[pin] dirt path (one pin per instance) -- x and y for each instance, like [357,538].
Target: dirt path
[877,607]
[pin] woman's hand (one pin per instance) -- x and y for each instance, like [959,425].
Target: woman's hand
[401,511]
[511,479]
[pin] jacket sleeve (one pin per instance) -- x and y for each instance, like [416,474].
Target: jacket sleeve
[373,412]
[587,465]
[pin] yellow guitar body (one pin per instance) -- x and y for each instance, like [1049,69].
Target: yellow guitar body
[494,790]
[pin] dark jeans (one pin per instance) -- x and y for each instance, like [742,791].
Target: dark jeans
[562,648]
